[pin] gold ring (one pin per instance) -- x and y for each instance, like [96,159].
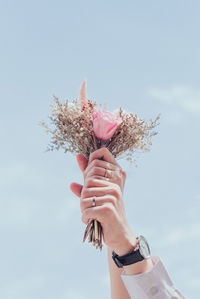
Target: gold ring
[107,175]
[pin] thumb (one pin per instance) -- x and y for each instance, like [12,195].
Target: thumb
[76,189]
[83,163]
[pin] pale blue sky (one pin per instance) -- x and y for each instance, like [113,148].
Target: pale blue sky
[142,55]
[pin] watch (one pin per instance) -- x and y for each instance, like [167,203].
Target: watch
[141,252]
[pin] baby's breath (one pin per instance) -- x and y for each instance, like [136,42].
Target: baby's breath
[73,131]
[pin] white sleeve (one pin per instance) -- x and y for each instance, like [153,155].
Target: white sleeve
[153,284]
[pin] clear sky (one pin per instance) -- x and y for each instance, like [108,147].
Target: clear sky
[141,55]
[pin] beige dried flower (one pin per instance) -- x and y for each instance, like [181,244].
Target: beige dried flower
[73,131]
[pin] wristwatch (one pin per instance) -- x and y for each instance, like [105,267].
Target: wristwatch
[141,252]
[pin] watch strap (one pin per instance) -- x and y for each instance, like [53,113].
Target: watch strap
[127,259]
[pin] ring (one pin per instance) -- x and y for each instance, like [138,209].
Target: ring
[106,175]
[93,201]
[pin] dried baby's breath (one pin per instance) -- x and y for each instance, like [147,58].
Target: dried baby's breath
[73,131]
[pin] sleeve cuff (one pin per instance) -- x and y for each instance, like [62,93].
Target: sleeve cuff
[154,283]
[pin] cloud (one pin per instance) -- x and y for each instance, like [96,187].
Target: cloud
[183,97]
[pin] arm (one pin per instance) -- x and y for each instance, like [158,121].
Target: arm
[144,279]
[118,289]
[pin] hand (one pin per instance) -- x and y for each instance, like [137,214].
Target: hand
[106,169]
[109,209]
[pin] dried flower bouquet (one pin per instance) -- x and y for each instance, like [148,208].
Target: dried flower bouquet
[82,126]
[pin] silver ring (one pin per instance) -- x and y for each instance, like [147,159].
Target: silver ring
[93,201]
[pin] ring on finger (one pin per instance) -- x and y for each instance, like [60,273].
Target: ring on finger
[94,201]
[107,174]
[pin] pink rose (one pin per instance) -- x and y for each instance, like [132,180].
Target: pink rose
[105,124]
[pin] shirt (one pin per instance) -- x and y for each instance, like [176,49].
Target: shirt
[153,284]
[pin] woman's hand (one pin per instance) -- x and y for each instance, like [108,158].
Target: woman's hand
[107,191]
[106,169]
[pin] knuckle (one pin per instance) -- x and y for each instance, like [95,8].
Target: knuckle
[116,192]
[88,182]
[84,192]
[112,200]
[94,170]
[82,205]
[118,175]
[85,173]
[103,150]
[107,209]
[95,163]
[91,156]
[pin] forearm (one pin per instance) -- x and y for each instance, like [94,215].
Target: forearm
[118,289]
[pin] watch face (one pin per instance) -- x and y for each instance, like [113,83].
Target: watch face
[144,247]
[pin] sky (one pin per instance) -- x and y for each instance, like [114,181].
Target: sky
[140,55]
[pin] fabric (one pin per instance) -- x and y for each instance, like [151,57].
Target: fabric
[153,284]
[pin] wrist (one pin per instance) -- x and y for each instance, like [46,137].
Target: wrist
[139,267]
[127,245]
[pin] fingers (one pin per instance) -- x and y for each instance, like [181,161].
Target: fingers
[101,200]
[104,154]
[111,189]
[110,176]
[100,164]
[96,182]
[124,175]
[76,189]
[111,173]
[101,213]
[82,162]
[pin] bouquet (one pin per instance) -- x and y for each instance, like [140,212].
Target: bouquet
[83,126]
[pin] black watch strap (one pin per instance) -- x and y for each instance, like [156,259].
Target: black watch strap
[127,259]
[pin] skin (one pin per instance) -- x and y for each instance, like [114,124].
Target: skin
[110,211]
